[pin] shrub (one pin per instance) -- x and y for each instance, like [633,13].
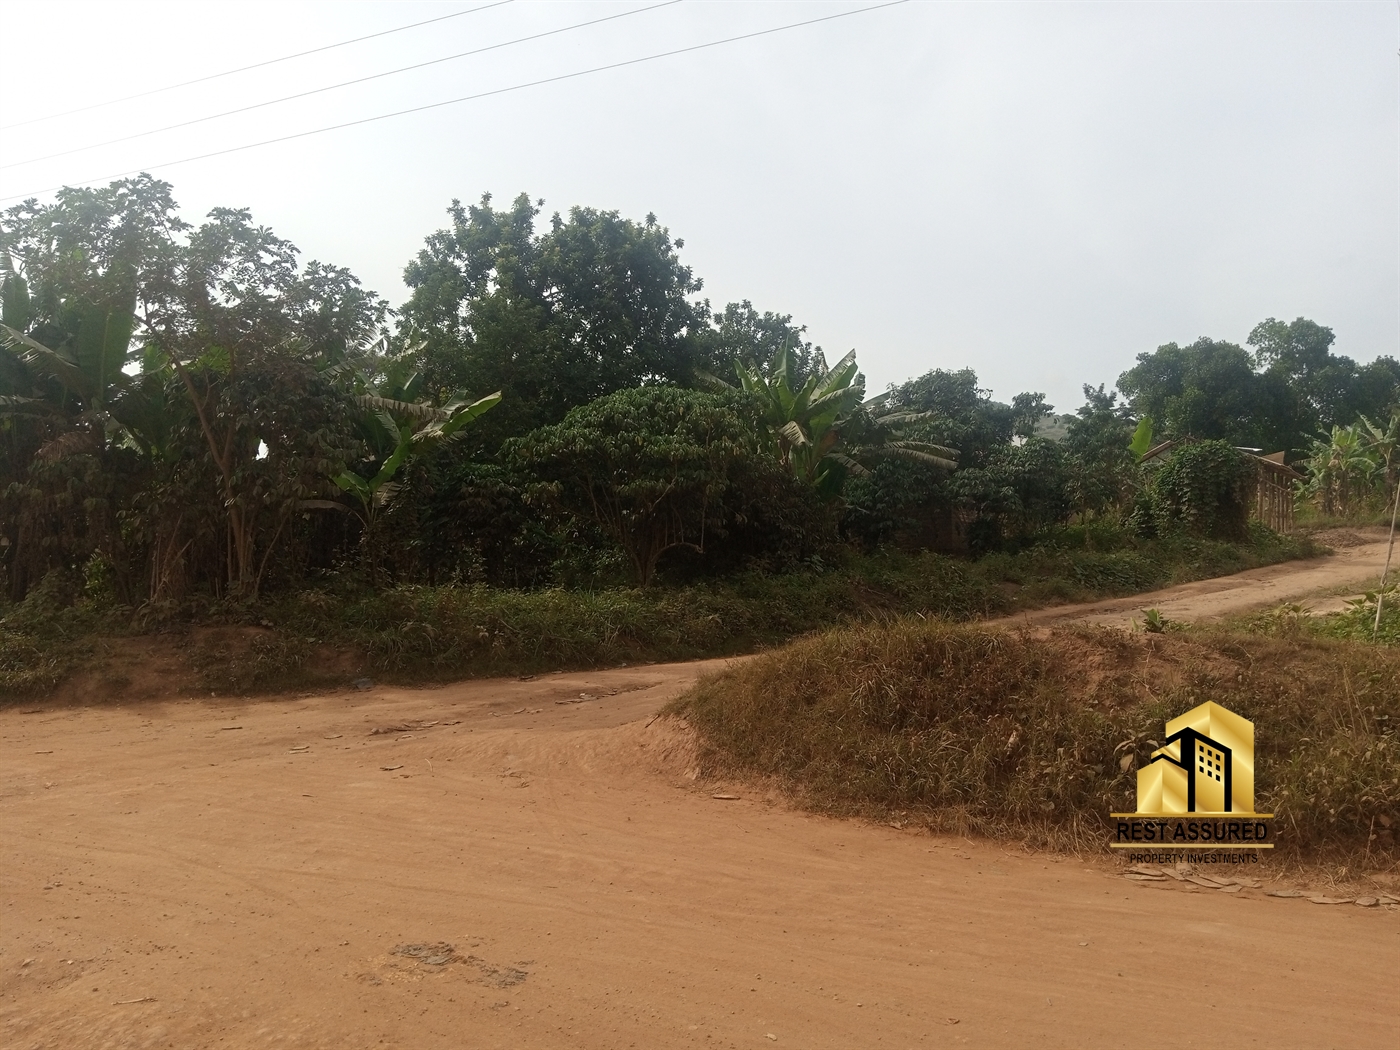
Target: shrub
[1204,489]
[649,466]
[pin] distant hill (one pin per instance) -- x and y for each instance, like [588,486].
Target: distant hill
[1053,427]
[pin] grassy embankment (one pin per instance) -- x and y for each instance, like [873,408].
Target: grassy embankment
[973,729]
[416,634]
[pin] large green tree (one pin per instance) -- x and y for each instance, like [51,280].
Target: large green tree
[247,331]
[180,379]
[650,466]
[1019,491]
[555,319]
[1209,389]
[956,412]
[742,335]
[76,274]
[1278,396]
[917,499]
[1103,471]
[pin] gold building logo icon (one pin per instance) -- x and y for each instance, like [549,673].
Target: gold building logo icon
[1205,766]
[1204,769]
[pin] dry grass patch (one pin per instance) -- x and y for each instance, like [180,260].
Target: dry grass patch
[1037,735]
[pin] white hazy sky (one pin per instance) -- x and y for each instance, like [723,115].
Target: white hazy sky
[1040,191]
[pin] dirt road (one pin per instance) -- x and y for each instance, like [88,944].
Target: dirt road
[1322,584]
[532,864]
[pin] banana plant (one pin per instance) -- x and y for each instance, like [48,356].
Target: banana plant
[407,438]
[92,403]
[94,337]
[825,428]
[1383,443]
[396,430]
[77,378]
[1341,467]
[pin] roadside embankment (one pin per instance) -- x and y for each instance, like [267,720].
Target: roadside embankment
[1036,734]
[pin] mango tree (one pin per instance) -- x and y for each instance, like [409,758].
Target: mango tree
[650,466]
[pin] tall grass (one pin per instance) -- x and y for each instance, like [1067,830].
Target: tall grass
[975,729]
[435,631]
[418,633]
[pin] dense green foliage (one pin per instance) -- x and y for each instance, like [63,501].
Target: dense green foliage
[555,320]
[1205,488]
[195,421]
[1291,387]
[651,467]
[1355,467]
[823,428]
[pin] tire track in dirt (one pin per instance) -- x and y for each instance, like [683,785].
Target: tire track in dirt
[170,883]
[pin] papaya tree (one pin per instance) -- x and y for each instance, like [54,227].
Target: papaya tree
[76,422]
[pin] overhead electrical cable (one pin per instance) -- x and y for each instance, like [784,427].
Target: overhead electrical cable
[334,87]
[255,65]
[470,98]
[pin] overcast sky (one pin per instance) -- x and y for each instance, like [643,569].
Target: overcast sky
[1039,191]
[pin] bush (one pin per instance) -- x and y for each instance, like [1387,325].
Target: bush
[650,467]
[462,521]
[1203,490]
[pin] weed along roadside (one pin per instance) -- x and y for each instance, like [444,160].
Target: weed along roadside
[323,637]
[1038,736]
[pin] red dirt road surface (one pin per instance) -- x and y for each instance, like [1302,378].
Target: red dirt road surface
[1322,585]
[533,864]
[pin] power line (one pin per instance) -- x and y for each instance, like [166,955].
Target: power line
[469,98]
[255,65]
[333,87]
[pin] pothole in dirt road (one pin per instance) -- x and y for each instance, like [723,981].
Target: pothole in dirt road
[438,956]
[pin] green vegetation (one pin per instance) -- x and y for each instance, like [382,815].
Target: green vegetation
[980,730]
[199,430]
[1289,388]
[1206,488]
[416,633]
[1357,623]
[1354,471]
[812,427]
[649,466]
